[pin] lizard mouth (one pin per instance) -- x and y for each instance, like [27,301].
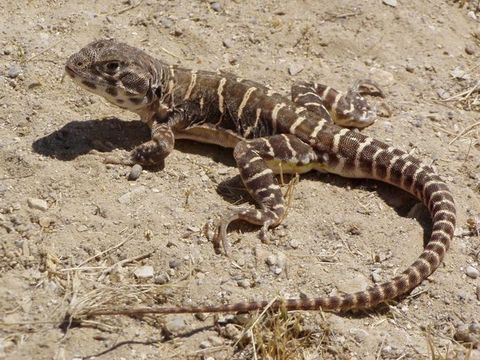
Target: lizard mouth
[70,72]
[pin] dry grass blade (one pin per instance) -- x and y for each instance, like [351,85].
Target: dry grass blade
[281,335]
[434,353]
[464,132]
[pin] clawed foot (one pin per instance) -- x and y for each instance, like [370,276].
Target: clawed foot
[147,154]
[264,218]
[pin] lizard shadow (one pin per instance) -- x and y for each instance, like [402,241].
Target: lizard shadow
[80,137]
[404,204]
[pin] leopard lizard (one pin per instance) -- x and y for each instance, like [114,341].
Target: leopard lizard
[269,134]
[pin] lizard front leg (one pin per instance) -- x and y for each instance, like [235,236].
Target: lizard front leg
[257,161]
[154,151]
[150,153]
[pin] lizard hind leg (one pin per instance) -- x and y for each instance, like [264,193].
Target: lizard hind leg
[258,160]
[348,109]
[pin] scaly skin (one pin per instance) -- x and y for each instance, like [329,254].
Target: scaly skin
[269,134]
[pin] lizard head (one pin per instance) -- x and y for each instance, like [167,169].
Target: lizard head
[122,74]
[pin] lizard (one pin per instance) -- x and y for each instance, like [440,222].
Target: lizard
[269,133]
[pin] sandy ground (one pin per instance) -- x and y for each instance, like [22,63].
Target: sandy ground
[76,233]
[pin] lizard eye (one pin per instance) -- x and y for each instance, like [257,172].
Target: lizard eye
[112,66]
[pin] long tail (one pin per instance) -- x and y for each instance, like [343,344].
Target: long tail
[352,154]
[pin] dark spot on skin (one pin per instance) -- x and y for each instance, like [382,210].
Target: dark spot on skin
[120,101]
[112,91]
[136,101]
[89,84]
[111,81]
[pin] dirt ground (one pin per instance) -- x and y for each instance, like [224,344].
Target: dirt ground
[76,233]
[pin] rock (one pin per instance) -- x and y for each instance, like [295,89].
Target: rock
[392,3]
[232,332]
[144,272]
[227,43]
[166,23]
[135,172]
[463,334]
[359,334]
[459,74]
[38,204]
[161,279]
[477,292]
[271,260]
[176,325]
[294,244]
[127,197]
[410,68]
[46,221]
[376,277]
[205,344]
[14,71]
[216,6]
[201,316]
[443,94]
[469,49]
[472,272]
[215,340]
[244,283]
[174,263]
[281,260]
[295,68]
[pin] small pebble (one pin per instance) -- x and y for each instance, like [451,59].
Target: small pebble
[14,71]
[271,260]
[443,94]
[410,68]
[166,23]
[201,316]
[359,335]
[294,244]
[127,197]
[176,325]
[376,277]
[469,49]
[161,279]
[46,221]
[144,272]
[173,264]
[232,332]
[392,3]
[295,68]
[472,272]
[205,344]
[227,43]
[215,340]
[216,6]
[244,283]
[38,204]
[135,172]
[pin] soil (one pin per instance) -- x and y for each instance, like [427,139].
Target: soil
[76,233]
